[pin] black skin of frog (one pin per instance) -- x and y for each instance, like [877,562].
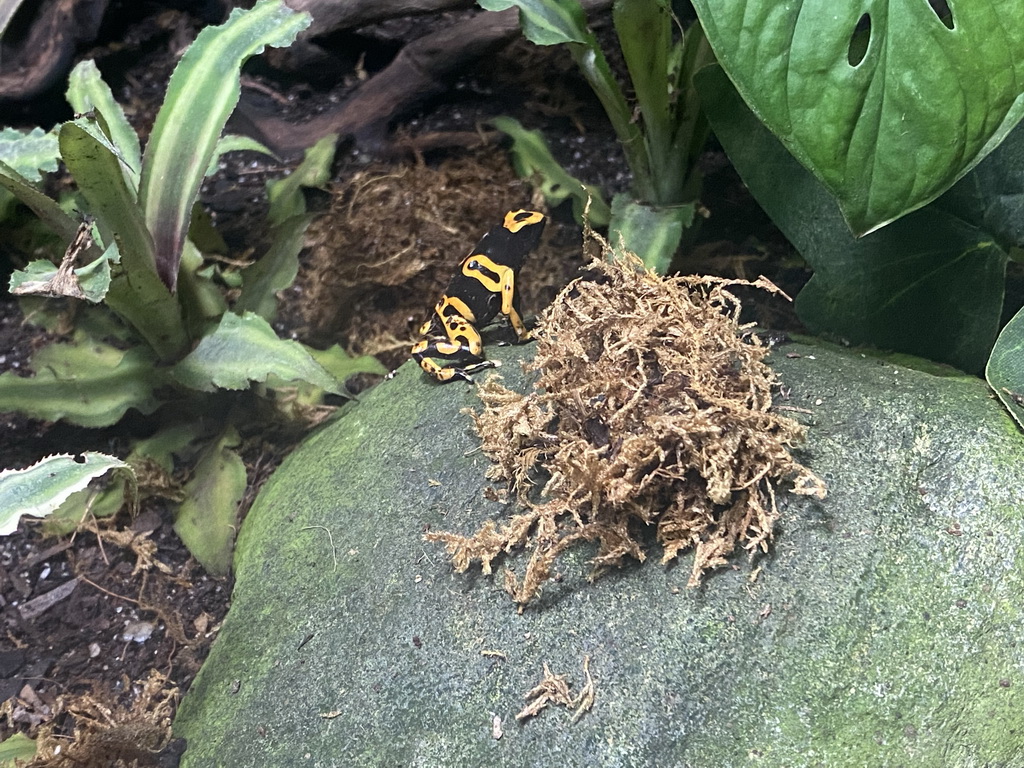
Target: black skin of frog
[483,287]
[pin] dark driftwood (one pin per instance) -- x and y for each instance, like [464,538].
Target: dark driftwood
[419,72]
[36,53]
[330,15]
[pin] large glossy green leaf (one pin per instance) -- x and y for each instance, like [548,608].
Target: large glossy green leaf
[930,284]
[83,382]
[201,95]
[1005,369]
[893,131]
[39,490]
[244,349]
[208,515]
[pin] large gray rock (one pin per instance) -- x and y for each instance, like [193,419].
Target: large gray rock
[883,629]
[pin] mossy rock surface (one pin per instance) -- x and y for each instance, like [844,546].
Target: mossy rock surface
[884,628]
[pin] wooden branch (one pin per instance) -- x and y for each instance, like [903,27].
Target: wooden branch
[419,72]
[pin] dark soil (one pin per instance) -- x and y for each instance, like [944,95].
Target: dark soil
[88,616]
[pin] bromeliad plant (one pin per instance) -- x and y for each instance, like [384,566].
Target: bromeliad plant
[665,133]
[152,330]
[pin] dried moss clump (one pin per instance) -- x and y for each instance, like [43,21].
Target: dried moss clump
[652,408]
[382,255]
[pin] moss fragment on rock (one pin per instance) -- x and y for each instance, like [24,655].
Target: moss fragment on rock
[652,407]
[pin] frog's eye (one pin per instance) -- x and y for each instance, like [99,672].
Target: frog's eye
[474,264]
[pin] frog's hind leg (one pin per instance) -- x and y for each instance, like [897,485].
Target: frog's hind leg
[462,362]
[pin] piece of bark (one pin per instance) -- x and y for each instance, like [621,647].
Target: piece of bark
[331,15]
[419,72]
[32,62]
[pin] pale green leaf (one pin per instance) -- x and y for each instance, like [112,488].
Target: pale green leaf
[285,195]
[651,232]
[235,143]
[341,365]
[17,746]
[40,489]
[201,95]
[1005,369]
[82,505]
[546,22]
[40,277]
[207,518]
[84,382]
[29,153]
[533,160]
[97,169]
[274,271]
[245,349]
[137,294]
[86,93]
[892,131]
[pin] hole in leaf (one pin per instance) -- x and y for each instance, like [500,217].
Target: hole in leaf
[859,41]
[942,10]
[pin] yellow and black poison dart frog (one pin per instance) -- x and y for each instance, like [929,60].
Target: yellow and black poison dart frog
[483,286]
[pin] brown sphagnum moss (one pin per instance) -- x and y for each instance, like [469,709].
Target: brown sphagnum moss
[652,407]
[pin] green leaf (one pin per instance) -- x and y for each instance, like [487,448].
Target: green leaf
[29,153]
[207,518]
[546,22]
[92,281]
[136,293]
[644,28]
[161,447]
[341,365]
[894,131]
[235,143]
[84,382]
[201,95]
[87,92]
[51,214]
[1005,369]
[930,284]
[245,349]
[285,195]
[80,506]
[274,271]
[651,232]
[16,747]
[533,160]
[40,489]
[202,300]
